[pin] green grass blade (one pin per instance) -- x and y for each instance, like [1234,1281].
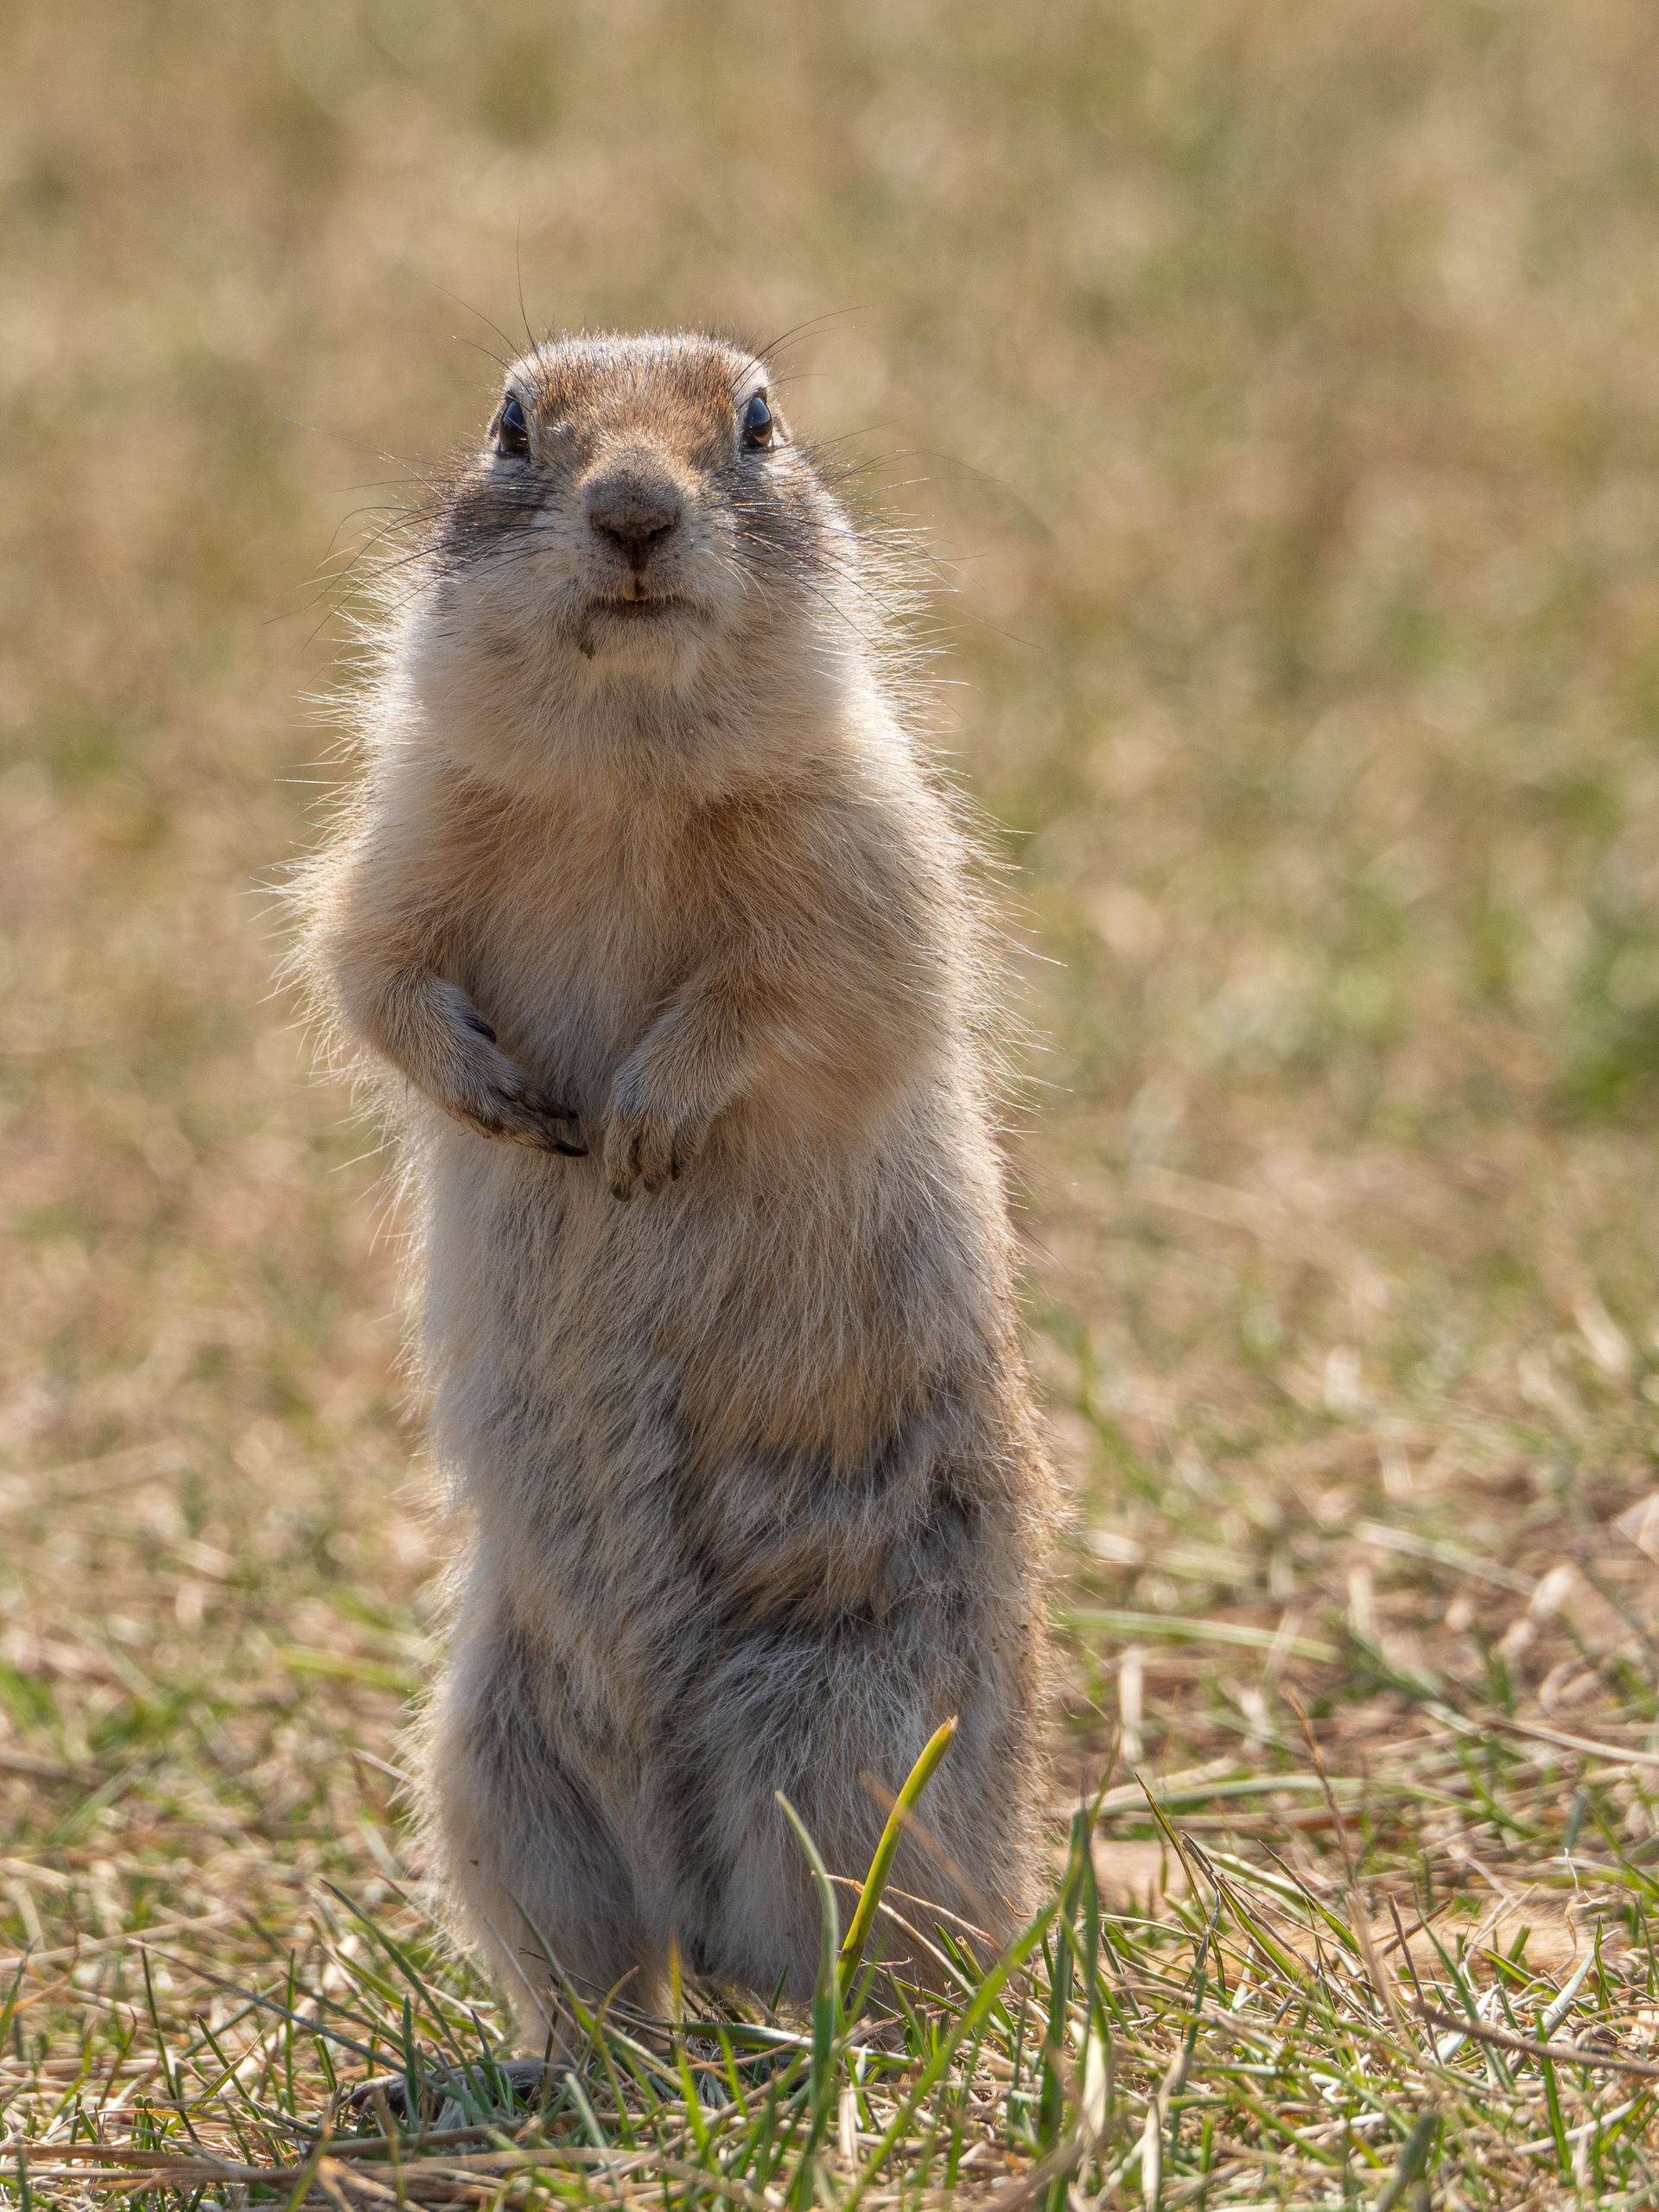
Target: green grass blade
[826,2012]
[887,1849]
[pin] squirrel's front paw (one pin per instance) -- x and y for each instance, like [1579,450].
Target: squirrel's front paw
[644,1142]
[511,1108]
[474,1080]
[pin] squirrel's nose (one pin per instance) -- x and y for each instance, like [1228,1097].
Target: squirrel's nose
[634,513]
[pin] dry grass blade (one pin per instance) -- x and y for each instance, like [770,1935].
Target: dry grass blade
[1569,2054]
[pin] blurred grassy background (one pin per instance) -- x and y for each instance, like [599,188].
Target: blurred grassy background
[1283,380]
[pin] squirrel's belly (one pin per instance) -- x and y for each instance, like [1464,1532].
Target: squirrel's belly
[573,1334]
[640,1402]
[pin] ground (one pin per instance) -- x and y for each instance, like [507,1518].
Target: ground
[1278,387]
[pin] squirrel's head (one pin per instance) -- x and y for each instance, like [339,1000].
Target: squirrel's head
[637,502]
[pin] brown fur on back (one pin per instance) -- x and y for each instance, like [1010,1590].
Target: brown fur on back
[748,1485]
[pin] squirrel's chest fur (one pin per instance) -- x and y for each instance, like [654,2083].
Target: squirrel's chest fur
[572,939]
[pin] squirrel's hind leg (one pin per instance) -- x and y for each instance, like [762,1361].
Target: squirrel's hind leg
[535,1873]
[835,1720]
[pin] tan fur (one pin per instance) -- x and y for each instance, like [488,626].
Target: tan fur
[752,1490]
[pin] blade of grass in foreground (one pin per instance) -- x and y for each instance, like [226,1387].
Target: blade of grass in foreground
[826,2014]
[876,1881]
[1051,2107]
[971,2020]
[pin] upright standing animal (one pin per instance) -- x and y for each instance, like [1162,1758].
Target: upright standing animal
[659,926]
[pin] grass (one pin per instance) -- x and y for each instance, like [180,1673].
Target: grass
[1281,383]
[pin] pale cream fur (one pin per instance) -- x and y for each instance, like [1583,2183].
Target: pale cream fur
[747,1478]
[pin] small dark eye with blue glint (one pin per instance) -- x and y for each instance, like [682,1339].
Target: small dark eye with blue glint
[757,421]
[511,431]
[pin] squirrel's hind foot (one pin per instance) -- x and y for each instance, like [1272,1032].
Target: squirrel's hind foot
[455,2096]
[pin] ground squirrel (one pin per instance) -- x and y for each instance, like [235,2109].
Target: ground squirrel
[649,894]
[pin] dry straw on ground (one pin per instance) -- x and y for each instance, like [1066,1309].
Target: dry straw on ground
[1295,372]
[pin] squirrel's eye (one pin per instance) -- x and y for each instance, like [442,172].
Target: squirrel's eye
[511,431]
[757,421]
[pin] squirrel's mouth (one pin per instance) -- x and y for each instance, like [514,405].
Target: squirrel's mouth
[651,611]
[645,609]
